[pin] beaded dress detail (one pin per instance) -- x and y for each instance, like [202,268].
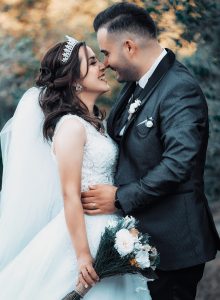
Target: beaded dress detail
[100,154]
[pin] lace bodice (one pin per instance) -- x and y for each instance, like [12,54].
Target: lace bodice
[100,155]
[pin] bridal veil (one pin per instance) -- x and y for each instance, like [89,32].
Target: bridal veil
[30,184]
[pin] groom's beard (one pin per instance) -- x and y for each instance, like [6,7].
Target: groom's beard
[125,74]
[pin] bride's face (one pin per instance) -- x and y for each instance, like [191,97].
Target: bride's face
[94,81]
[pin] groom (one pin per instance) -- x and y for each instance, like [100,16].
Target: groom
[160,122]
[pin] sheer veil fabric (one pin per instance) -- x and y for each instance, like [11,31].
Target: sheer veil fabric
[30,185]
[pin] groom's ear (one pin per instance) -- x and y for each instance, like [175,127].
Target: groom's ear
[130,47]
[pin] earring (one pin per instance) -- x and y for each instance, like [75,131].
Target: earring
[78,88]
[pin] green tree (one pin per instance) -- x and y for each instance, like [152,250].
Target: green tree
[204,27]
[200,20]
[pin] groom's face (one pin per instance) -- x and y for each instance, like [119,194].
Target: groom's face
[115,56]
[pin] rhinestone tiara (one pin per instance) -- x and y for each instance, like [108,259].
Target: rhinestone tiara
[70,44]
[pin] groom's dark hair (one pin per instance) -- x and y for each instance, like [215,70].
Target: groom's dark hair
[126,17]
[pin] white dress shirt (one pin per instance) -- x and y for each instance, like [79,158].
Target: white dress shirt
[144,79]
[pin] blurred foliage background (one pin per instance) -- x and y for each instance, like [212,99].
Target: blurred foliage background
[191,28]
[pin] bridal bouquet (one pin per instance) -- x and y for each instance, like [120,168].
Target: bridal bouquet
[122,250]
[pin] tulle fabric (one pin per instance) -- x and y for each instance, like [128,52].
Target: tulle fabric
[30,195]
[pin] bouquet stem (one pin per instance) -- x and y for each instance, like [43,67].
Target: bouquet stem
[78,293]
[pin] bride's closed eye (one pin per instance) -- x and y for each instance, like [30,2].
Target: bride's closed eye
[94,62]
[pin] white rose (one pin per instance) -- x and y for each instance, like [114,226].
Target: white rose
[142,258]
[124,242]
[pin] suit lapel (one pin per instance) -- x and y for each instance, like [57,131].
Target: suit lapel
[119,106]
[161,70]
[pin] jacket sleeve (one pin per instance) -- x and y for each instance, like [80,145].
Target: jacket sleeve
[183,123]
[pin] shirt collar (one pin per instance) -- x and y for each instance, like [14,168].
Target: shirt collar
[144,79]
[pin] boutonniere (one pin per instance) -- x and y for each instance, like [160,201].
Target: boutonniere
[149,122]
[133,107]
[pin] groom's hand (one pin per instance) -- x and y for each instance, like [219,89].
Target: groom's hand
[99,199]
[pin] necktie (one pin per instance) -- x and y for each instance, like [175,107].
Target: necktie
[125,114]
[137,92]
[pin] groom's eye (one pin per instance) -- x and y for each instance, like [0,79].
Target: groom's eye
[105,53]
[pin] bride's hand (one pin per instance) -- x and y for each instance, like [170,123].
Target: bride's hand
[87,274]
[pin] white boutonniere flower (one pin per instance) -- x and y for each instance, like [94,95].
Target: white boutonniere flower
[149,122]
[133,107]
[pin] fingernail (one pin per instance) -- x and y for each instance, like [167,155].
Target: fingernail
[86,286]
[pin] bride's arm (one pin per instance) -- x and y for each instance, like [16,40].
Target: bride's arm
[68,147]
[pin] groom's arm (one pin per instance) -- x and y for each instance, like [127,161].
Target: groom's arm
[183,124]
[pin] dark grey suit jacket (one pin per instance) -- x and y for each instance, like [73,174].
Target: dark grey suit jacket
[160,168]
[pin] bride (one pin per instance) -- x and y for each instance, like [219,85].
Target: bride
[53,148]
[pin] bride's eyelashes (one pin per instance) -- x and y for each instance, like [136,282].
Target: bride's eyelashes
[94,62]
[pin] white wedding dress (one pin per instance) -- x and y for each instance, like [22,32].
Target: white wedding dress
[45,268]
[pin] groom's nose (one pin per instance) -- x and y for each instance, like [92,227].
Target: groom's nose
[105,62]
[101,66]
